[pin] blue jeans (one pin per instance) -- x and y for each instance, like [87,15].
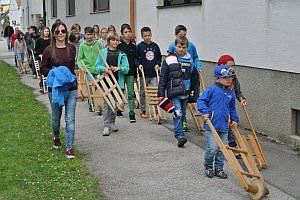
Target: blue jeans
[8,40]
[70,106]
[213,154]
[180,108]
[231,139]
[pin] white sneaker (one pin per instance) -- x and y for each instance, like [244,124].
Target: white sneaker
[114,128]
[105,131]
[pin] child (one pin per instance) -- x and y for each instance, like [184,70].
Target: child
[218,104]
[175,78]
[149,59]
[118,62]
[235,86]
[103,38]
[88,53]
[180,31]
[20,48]
[130,49]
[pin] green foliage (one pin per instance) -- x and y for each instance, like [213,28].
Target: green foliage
[29,167]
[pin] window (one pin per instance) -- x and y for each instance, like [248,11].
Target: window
[296,121]
[53,8]
[70,7]
[100,5]
[179,2]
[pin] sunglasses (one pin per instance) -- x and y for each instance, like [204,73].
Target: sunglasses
[63,31]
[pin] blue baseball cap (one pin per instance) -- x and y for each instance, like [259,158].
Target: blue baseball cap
[222,71]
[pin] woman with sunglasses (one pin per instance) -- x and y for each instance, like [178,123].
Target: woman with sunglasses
[61,53]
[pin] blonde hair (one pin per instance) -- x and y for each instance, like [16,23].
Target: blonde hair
[112,35]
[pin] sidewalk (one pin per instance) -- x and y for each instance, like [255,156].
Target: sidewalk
[142,160]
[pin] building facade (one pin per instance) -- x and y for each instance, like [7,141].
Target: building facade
[32,12]
[262,36]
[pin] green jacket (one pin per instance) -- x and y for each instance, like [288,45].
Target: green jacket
[122,63]
[88,53]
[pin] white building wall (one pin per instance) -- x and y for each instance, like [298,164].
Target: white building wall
[117,14]
[14,14]
[31,10]
[262,34]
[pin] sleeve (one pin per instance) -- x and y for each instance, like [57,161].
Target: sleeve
[136,62]
[233,113]
[37,46]
[16,47]
[46,62]
[163,80]
[100,45]
[159,57]
[138,55]
[237,90]
[100,66]
[80,57]
[202,102]
[124,68]
[196,58]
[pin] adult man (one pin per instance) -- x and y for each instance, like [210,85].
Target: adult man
[8,31]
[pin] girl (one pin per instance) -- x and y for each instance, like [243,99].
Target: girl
[20,48]
[61,53]
[97,35]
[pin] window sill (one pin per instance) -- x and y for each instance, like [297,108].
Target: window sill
[99,11]
[70,15]
[180,5]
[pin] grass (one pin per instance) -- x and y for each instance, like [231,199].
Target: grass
[29,167]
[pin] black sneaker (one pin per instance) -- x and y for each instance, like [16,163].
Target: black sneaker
[132,119]
[209,172]
[100,113]
[221,174]
[181,142]
[119,113]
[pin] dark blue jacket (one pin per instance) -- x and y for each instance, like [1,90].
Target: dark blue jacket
[175,76]
[148,55]
[219,102]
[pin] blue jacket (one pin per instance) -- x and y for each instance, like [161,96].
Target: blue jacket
[192,50]
[60,79]
[148,55]
[219,102]
[122,63]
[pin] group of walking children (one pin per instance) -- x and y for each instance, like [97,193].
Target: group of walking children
[178,85]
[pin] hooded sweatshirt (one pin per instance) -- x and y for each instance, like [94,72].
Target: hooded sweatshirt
[88,53]
[149,55]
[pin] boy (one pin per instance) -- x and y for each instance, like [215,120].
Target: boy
[175,78]
[235,86]
[218,104]
[118,62]
[180,31]
[88,53]
[149,60]
[129,48]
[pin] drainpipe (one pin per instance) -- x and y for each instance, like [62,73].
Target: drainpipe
[132,17]
[44,12]
[27,7]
